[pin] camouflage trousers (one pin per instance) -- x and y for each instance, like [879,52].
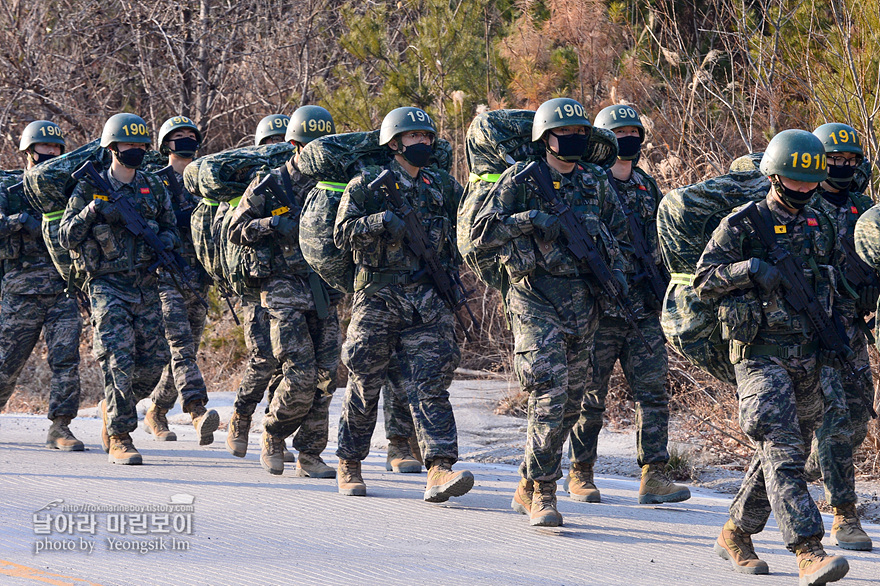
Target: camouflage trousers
[129,344]
[395,406]
[780,405]
[646,375]
[307,348]
[22,317]
[263,370]
[427,355]
[844,426]
[184,319]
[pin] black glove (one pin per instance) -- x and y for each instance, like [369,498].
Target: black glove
[109,211]
[183,217]
[283,226]
[764,275]
[394,226]
[828,358]
[547,225]
[29,223]
[621,281]
[167,240]
[867,301]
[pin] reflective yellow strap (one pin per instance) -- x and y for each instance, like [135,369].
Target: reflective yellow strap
[331,186]
[682,279]
[211,202]
[488,177]
[234,202]
[52,216]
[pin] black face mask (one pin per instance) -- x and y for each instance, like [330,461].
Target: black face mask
[41,157]
[571,146]
[790,197]
[185,147]
[132,158]
[418,154]
[840,177]
[835,199]
[628,147]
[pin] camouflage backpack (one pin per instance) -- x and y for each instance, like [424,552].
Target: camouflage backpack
[224,176]
[334,160]
[496,140]
[201,224]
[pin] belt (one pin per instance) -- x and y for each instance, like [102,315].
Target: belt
[780,351]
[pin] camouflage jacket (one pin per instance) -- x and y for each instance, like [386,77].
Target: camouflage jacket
[27,266]
[182,205]
[249,225]
[642,197]
[110,255]
[722,273]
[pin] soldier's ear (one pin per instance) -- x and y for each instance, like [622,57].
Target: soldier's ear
[392,144]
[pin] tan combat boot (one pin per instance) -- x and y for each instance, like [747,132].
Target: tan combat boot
[205,421]
[156,423]
[105,436]
[237,435]
[735,545]
[288,456]
[349,479]
[580,484]
[400,458]
[444,483]
[122,450]
[657,488]
[816,566]
[270,454]
[414,448]
[847,532]
[61,438]
[543,512]
[522,498]
[312,466]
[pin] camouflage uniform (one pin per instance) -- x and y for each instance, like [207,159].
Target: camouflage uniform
[405,318]
[845,423]
[775,360]
[615,339]
[184,318]
[552,303]
[867,238]
[33,300]
[126,310]
[303,341]
[262,369]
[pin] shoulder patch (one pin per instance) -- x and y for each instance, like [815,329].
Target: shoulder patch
[810,222]
[145,190]
[854,210]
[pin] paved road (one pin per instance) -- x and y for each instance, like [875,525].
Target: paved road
[248,527]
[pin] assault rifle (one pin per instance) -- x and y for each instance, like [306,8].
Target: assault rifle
[579,241]
[269,184]
[641,250]
[447,283]
[798,292]
[138,226]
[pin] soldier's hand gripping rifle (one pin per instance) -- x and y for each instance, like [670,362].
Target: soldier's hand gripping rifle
[136,224]
[447,283]
[642,252]
[579,242]
[798,292]
[28,222]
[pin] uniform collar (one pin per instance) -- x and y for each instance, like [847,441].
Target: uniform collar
[782,214]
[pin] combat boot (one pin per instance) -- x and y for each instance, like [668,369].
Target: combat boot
[105,436]
[522,498]
[444,483]
[270,455]
[816,566]
[657,488]
[414,448]
[205,421]
[400,458]
[349,479]
[580,484]
[313,466]
[289,457]
[156,423]
[122,450]
[237,435]
[543,512]
[735,545]
[847,532]
[61,438]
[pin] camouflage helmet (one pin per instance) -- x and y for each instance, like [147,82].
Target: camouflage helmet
[618,116]
[271,125]
[839,138]
[125,128]
[797,155]
[41,131]
[405,119]
[556,113]
[309,123]
[176,123]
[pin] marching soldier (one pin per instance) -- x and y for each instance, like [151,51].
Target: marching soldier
[271,129]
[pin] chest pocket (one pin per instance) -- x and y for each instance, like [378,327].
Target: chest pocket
[433,214]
